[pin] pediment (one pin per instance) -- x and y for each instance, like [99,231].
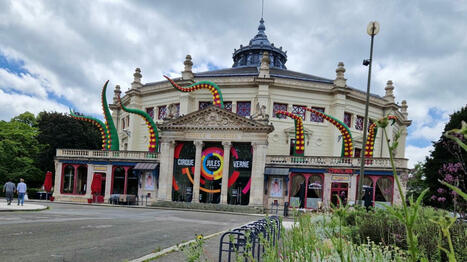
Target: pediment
[215,118]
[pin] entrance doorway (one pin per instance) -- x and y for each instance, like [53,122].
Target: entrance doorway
[341,190]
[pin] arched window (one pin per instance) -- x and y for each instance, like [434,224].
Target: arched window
[384,189]
[68,179]
[132,183]
[81,181]
[314,191]
[297,191]
[118,180]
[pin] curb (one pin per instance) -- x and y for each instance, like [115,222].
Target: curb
[154,207]
[173,248]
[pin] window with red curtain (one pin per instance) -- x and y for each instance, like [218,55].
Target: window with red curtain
[150,111]
[315,118]
[244,108]
[204,104]
[359,123]
[278,106]
[161,112]
[348,119]
[299,110]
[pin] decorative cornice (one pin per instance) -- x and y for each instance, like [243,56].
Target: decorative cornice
[215,118]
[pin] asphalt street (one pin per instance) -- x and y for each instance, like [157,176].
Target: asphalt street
[92,233]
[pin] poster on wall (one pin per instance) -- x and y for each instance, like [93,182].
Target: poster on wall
[149,181]
[276,187]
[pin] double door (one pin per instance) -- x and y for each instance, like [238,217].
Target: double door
[339,193]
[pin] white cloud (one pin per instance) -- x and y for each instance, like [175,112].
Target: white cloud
[417,154]
[15,104]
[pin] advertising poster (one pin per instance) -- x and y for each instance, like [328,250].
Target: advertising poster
[149,181]
[276,187]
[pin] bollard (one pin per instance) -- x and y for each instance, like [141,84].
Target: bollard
[286,209]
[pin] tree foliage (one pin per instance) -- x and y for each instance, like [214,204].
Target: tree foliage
[57,130]
[18,151]
[447,162]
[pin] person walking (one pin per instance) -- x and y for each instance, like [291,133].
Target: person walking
[9,189]
[21,188]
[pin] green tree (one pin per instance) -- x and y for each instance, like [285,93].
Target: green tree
[57,130]
[446,163]
[27,118]
[18,151]
[416,183]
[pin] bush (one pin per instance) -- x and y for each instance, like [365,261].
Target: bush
[380,226]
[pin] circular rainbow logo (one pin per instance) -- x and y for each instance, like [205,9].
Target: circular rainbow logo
[213,163]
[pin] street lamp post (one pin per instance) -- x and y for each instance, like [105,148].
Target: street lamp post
[372,30]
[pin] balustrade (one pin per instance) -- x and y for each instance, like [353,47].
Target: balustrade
[106,154]
[330,161]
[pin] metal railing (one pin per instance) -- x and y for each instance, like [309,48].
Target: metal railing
[100,154]
[248,240]
[329,161]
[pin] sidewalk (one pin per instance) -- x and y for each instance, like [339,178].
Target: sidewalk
[210,248]
[4,207]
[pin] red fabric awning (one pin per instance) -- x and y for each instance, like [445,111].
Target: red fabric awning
[96,185]
[48,181]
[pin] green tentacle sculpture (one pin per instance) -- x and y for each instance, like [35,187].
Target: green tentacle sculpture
[153,133]
[112,135]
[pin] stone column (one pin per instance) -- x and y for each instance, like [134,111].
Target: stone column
[225,172]
[327,191]
[257,173]
[351,194]
[166,170]
[108,182]
[58,179]
[199,148]
[89,180]
[170,170]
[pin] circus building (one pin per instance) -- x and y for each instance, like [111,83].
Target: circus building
[254,134]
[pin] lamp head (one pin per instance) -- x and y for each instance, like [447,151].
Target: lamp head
[373,28]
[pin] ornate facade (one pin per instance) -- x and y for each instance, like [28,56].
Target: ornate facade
[243,153]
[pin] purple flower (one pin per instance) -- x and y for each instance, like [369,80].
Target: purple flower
[454,193]
[449,178]
[433,197]
[440,190]
[441,199]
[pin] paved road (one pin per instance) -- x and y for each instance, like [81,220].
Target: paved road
[92,233]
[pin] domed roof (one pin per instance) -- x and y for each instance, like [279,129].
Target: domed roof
[251,54]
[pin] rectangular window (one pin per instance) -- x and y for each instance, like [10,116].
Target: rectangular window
[292,146]
[277,107]
[123,123]
[162,111]
[348,119]
[150,111]
[359,123]
[299,110]
[228,106]
[244,108]
[204,104]
[358,151]
[316,118]
[127,122]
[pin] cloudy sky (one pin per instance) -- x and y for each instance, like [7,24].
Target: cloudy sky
[57,54]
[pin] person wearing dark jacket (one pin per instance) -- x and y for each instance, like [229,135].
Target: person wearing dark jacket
[9,188]
[368,198]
